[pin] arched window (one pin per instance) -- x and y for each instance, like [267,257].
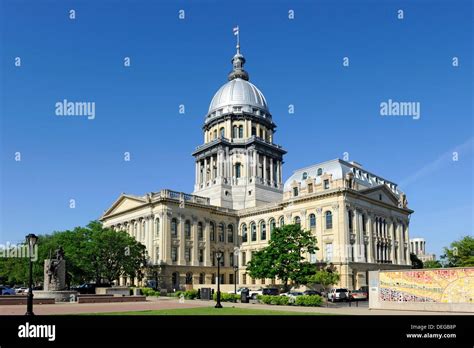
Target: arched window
[221,232]
[230,234]
[235,132]
[241,131]
[189,278]
[237,170]
[200,231]
[312,221]
[202,278]
[281,221]
[244,233]
[320,171]
[157,228]
[350,216]
[297,221]
[187,229]
[143,230]
[215,133]
[212,232]
[253,232]
[135,230]
[328,220]
[174,227]
[272,224]
[175,280]
[222,132]
[263,230]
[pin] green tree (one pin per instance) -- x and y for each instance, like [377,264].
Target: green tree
[460,253]
[325,278]
[416,263]
[432,264]
[283,258]
[91,253]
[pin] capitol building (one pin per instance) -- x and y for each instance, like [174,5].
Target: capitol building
[360,219]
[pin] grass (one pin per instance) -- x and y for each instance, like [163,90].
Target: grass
[209,311]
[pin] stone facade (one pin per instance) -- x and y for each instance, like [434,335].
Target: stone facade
[360,219]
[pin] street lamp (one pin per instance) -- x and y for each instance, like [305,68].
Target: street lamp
[31,240]
[219,255]
[236,268]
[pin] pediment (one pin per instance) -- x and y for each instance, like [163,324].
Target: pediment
[382,192]
[124,203]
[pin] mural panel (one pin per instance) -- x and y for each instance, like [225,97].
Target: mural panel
[455,285]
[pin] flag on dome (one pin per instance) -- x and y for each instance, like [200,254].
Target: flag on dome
[236,30]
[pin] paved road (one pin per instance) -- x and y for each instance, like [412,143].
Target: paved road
[169,303]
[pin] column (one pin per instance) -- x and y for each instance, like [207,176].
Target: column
[361,239]
[264,169]
[392,236]
[407,249]
[254,163]
[182,241]
[356,231]
[207,250]
[272,179]
[194,237]
[149,237]
[278,173]
[166,237]
[205,171]
[370,245]
[400,246]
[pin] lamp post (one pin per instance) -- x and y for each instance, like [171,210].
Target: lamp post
[218,257]
[236,268]
[31,240]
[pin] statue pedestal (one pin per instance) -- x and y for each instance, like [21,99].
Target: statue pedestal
[59,296]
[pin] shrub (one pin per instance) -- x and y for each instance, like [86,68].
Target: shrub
[190,294]
[149,292]
[309,300]
[225,297]
[274,300]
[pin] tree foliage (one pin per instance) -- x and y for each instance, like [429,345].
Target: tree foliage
[460,253]
[92,253]
[325,277]
[432,264]
[283,258]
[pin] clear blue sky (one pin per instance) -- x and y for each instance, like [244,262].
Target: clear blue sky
[185,61]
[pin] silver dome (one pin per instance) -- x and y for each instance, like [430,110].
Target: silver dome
[238,92]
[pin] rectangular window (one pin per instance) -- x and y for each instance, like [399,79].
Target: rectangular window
[328,252]
[174,254]
[244,261]
[295,191]
[244,278]
[326,184]
[310,188]
[231,279]
[188,254]
[312,258]
[157,254]
[201,255]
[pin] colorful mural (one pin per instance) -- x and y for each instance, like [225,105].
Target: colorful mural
[450,285]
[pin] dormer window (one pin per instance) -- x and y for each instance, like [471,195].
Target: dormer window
[237,108]
[295,192]
[305,176]
[320,171]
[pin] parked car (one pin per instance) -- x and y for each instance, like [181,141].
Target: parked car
[271,291]
[312,292]
[339,294]
[89,288]
[358,295]
[254,293]
[21,290]
[293,294]
[5,290]
[239,291]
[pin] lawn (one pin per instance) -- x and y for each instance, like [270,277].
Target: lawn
[208,311]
